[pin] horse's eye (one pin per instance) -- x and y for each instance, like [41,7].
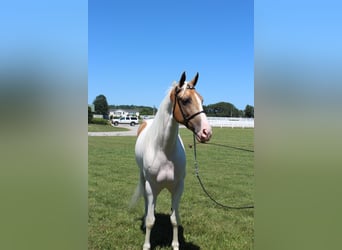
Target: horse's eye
[186,101]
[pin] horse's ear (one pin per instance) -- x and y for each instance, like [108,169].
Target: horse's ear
[194,81]
[182,80]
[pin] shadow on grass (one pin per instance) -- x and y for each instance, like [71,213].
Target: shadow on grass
[232,147]
[161,234]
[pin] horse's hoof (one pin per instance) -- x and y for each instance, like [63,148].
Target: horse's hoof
[175,246]
[146,247]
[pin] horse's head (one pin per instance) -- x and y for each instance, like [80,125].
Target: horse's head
[188,109]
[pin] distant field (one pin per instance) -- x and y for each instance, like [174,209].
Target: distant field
[226,168]
[104,128]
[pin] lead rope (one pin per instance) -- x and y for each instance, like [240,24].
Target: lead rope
[205,191]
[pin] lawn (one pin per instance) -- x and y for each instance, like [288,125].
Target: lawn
[104,128]
[226,169]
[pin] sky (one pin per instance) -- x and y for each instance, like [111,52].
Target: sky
[136,49]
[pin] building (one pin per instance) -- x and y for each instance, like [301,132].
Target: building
[122,112]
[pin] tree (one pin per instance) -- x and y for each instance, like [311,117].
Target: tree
[90,115]
[249,111]
[222,109]
[101,105]
[146,111]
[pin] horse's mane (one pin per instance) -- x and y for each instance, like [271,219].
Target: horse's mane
[164,109]
[174,85]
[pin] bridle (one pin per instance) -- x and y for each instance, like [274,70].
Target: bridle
[185,119]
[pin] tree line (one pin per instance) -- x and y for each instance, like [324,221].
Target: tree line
[220,109]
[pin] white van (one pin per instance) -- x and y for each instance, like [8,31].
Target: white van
[131,120]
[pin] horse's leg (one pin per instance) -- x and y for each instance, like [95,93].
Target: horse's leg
[150,199]
[174,218]
[143,181]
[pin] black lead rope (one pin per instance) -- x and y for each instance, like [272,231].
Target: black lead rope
[205,191]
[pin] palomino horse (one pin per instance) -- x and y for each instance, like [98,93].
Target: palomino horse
[160,154]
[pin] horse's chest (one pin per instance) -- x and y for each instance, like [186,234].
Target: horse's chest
[166,169]
[166,173]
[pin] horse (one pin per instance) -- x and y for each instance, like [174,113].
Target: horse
[160,154]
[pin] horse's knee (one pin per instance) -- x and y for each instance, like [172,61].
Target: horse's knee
[173,219]
[149,221]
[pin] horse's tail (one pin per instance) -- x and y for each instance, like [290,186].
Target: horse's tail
[139,191]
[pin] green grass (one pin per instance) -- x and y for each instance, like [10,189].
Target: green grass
[226,169]
[104,128]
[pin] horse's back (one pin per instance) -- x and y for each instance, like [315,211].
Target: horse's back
[144,126]
[141,127]
[140,142]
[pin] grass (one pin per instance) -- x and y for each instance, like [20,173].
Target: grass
[226,169]
[104,128]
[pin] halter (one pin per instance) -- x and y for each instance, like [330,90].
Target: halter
[186,119]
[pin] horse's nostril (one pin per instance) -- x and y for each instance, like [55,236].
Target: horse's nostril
[206,133]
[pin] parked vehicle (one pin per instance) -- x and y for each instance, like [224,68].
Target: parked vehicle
[131,120]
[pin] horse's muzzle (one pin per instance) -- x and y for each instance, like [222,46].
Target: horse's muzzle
[204,135]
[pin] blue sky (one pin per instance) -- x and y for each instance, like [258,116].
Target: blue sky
[138,48]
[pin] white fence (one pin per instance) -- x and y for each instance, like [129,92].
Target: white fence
[233,122]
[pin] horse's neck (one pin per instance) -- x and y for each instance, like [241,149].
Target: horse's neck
[164,128]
